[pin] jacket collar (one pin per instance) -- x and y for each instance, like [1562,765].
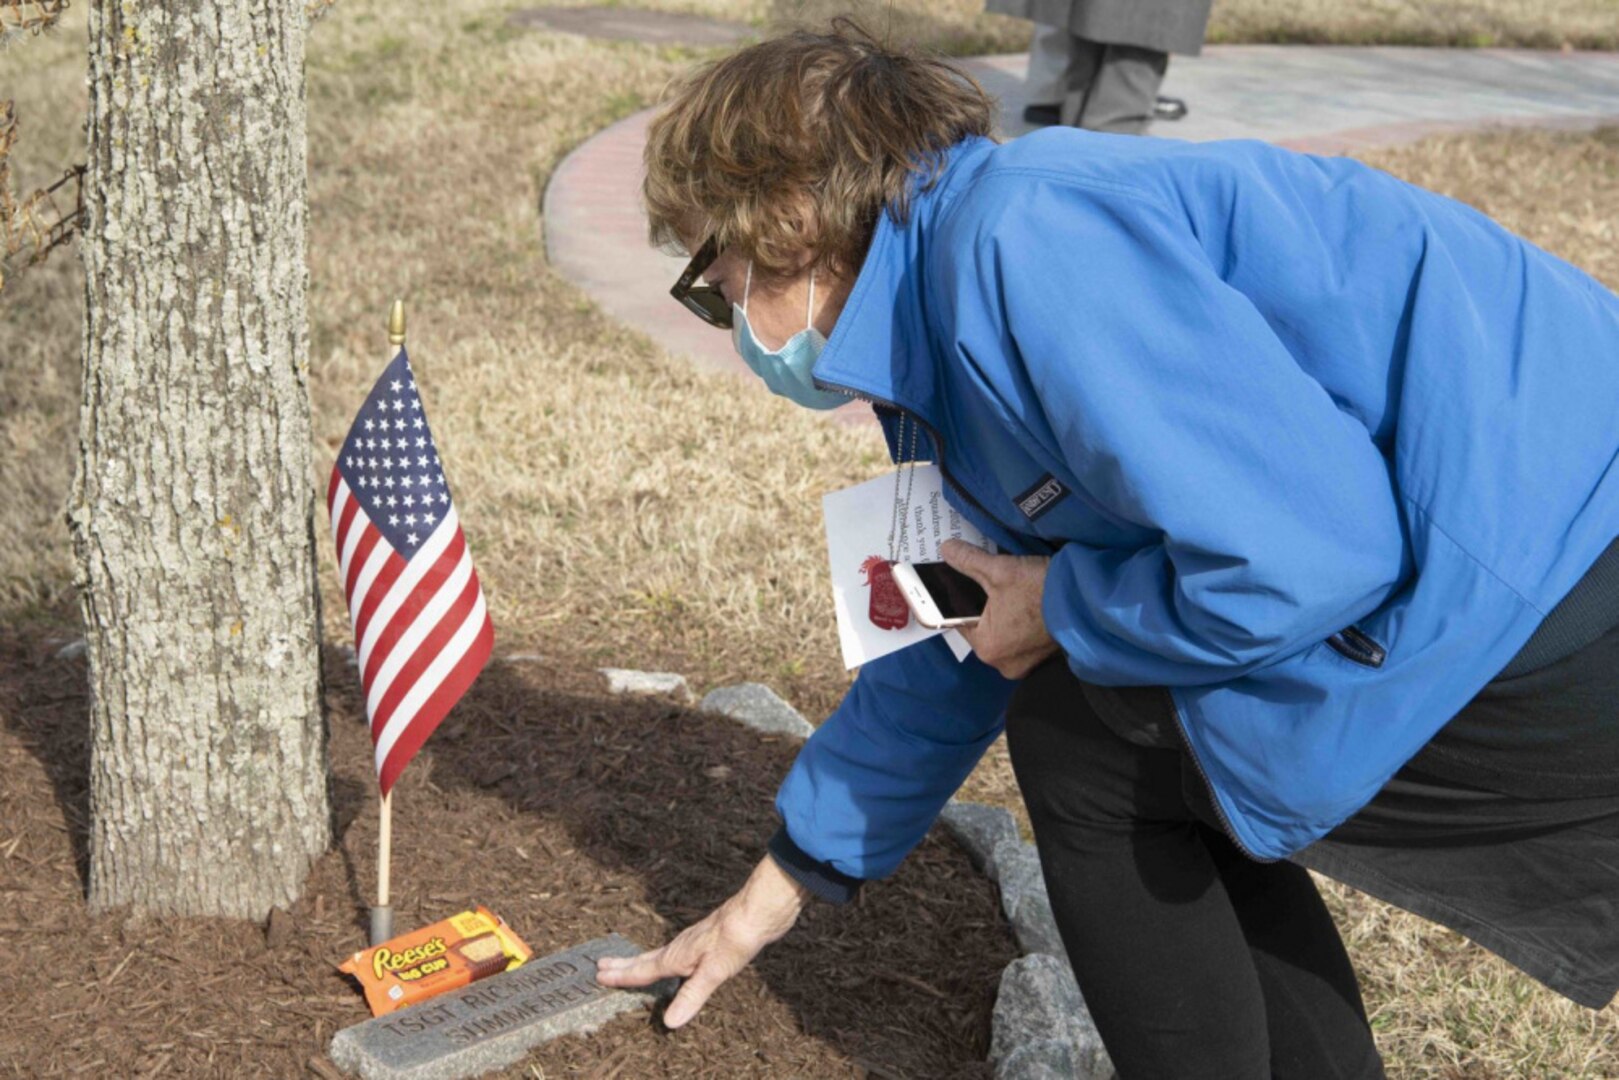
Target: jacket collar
[881,347]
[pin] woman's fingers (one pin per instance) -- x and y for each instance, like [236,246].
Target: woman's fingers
[694,994]
[702,978]
[641,970]
[704,955]
[709,952]
[971,560]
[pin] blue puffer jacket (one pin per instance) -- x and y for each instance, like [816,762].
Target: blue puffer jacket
[1313,447]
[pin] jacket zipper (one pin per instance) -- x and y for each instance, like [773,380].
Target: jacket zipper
[1208,788]
[1354,644]
[938,447]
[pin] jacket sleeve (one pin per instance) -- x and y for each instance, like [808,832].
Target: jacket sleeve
[870,781]
[1180,410]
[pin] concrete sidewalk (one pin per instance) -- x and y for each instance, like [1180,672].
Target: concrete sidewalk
[1319,99]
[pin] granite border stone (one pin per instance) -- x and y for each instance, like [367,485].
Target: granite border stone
[759,707]
[647,683]
[1041,1029]
[980,830]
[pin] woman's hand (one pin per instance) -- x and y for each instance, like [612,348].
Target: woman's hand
[707,953]
[1011,637]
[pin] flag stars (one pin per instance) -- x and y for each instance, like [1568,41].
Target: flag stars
[410,519]
[416,404]
[399,424]
[388,481]
[421,442]
[444,496]
[392,502]
[412,539]
[429,518]
[409,500]
[422,461]
[395,386]
[405,481]
[370,425]
[393,519]
[417,423]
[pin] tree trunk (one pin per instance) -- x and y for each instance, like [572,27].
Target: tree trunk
[193,509]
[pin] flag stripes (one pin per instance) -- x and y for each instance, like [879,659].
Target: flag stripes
[421,627]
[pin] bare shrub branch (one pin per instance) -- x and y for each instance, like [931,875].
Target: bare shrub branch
[19,17]
[37,223]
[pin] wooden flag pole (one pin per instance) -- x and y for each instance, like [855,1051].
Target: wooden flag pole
[382,915]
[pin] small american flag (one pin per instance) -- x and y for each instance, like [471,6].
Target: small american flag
[421,630]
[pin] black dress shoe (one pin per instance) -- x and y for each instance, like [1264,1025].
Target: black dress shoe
[1169,108]
[1041,115]
[1165,108]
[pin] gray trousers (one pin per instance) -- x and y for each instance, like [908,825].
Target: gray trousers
[1096,85]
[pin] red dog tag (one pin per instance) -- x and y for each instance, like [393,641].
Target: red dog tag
[888,609]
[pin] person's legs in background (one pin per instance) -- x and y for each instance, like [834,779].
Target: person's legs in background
[1051,54]
[1114,88]
[1093,85]
[1195,961]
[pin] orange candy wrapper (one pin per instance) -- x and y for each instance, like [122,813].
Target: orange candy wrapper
[450,953]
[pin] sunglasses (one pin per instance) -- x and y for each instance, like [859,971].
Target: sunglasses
[705,301]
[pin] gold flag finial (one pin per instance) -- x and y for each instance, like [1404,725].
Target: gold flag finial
[396,323]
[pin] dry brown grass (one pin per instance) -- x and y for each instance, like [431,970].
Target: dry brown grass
[1534,24]
[624,507]
[960,25]
[39,331]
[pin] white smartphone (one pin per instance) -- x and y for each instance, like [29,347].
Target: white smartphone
[940,595]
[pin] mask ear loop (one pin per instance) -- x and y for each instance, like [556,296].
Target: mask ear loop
[809,309]
[747,287]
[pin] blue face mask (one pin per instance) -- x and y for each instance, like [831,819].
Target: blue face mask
[786,371]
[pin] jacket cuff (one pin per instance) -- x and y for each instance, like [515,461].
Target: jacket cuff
[818,877]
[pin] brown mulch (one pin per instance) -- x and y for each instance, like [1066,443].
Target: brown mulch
[570,813]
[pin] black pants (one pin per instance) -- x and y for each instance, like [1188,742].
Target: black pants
[1196,961]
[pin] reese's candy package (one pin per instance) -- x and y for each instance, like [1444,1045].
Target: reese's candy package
[450,953]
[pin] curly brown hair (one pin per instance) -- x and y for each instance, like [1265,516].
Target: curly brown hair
[793,146]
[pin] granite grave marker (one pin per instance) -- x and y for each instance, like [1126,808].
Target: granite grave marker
[494,1021]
